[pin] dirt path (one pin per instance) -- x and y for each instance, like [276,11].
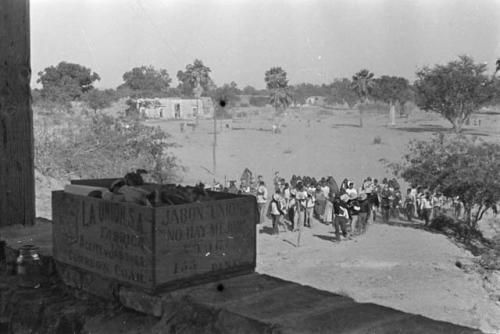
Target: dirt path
[404,268]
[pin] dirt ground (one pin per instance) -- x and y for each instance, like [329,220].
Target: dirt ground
[403,267]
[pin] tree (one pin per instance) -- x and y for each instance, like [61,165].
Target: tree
[341,92]
[455,90]
[66,82]
[362,84]
[459,166]
[195,80]
[277,83]
[392,89]
[146,81]
[302,91]
[97,99]
[249,90]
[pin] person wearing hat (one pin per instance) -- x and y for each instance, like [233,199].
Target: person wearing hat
[341,215]
[364,211]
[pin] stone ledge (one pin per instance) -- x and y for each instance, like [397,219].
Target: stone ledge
[251,303]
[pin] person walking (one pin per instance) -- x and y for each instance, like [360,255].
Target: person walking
[341,216]
[262,201]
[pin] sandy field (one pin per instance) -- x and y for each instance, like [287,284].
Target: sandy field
[400,266]
[397,266]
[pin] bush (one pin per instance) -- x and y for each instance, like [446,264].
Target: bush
[374,107]
[377,140]
[102,146]
[258,101]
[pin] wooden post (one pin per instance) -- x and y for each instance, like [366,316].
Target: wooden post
[17,186]
[215,145]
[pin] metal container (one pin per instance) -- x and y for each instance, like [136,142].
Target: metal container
[28,265]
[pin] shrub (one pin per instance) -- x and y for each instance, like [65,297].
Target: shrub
[102,146]
[374,107]
[377,140]
[258,101]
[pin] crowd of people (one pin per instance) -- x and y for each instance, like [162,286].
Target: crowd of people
[303,200]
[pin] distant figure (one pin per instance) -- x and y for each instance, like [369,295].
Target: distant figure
[182,127]
[276,211]
[364,211]
[276,181]
[385,202]
[426,206]
[300,206]
[232,187]
[437,204]
[341,215]
[262,201]
[309,210]
[409,205]
[351,191]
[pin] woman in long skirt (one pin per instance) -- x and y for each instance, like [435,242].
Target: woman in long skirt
[320,203]
[328,216]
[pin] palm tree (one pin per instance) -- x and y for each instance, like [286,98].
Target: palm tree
[280,96]
[280,99]
[362,83]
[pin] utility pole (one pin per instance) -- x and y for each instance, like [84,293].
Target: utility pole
[215,142]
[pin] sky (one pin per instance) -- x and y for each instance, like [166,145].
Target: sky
[314,41]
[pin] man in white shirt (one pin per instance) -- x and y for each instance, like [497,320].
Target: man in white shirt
[351,191]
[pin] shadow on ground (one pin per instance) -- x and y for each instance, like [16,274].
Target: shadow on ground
[439,129]
[345,125]
[326,237]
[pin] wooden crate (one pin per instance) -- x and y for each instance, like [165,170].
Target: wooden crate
[160,248]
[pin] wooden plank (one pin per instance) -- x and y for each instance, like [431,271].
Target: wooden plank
[105,183]
[104,237]
[205,239]
[17,180]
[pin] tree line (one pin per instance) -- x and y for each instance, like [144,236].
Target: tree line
[455,90]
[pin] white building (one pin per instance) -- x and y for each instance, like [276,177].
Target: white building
[176,108]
